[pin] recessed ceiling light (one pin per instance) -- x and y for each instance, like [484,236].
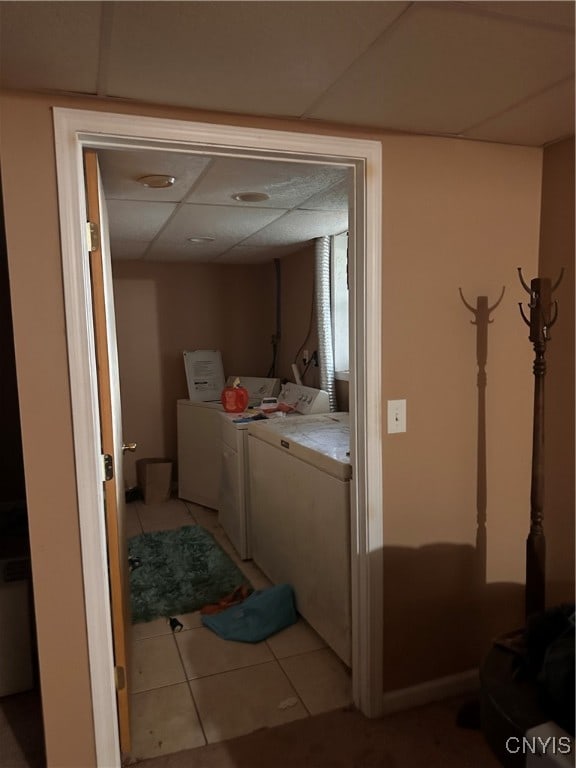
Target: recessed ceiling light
[157,181]
[200,239]
[250,197]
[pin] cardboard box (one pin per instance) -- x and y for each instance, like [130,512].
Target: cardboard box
[154,479]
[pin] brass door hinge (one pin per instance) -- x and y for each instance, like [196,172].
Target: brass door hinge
[93,236]
[120,678]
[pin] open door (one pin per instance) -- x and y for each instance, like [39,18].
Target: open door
[111,434]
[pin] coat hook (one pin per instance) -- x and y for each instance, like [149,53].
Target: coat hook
[527,288]
[557,283]
[522,313]
[553,319]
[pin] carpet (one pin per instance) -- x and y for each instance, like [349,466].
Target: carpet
[178,571]
[426,737]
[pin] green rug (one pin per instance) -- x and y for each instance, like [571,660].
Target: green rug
[178,571]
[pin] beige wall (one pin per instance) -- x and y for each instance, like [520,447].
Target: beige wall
[557,251]
[456,214]
[163,309]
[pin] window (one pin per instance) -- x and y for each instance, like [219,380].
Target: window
[339,292]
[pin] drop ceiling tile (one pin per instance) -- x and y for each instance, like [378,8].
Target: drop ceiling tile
[545,118]
[300,226]
[228,225]
[130,220]
[440,71]
[50,45]
[334,199]
[287,184]
[258,58]
[121,170]
[198,254]
[254,254]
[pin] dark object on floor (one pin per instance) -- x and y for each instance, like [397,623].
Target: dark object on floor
[259,616]
[509,703]
[527,679]
[550,648]
[469,715]
[133,494]
[180,571]
[175,625]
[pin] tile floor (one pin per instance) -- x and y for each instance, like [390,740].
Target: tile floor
[192,688]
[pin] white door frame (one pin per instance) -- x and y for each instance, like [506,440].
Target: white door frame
[76,129]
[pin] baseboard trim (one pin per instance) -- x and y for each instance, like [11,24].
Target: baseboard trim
[432,690]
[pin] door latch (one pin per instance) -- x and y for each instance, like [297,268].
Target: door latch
[108,466]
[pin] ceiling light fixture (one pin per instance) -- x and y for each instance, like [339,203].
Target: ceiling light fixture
[157,181]
[200,239]
[250,197]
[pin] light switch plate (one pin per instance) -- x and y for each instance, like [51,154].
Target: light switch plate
[396,416]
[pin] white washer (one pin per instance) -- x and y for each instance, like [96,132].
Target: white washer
[300,517]
[234,500]
[199,444]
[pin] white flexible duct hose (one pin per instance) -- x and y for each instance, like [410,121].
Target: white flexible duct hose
[324,318]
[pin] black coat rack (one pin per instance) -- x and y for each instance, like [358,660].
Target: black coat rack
[543,315]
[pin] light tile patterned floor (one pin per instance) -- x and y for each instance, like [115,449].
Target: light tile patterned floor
[191,688]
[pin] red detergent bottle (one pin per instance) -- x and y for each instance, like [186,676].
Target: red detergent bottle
[234,398]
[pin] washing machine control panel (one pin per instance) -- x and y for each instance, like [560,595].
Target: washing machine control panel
[306,400]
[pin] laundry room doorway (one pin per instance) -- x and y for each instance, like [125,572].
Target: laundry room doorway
[76,130]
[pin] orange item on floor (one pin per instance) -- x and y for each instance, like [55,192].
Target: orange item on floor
[234,598]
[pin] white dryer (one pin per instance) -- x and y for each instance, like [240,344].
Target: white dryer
[300,517]
[198,424]
[234,500]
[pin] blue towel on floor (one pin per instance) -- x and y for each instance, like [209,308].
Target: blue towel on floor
[261,615]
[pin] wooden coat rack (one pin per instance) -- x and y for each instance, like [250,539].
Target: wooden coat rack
[543,315]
